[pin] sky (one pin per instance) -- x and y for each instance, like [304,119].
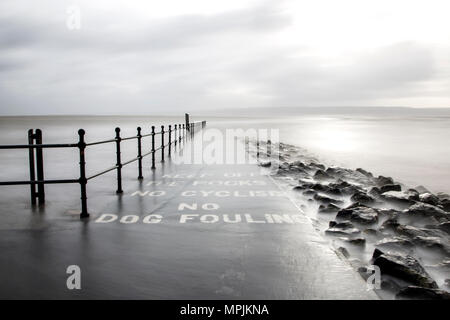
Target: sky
[173,56]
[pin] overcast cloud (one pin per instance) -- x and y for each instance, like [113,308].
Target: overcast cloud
[172,56]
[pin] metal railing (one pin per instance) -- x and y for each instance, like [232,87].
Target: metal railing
[176,135]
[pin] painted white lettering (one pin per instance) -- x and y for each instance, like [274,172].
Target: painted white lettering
[186,217]
[152,218]
[106,217]
[129,219]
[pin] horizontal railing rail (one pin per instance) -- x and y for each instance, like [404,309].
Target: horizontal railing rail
[46,146]
[175,134]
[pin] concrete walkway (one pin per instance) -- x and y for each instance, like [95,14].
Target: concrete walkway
[187,232]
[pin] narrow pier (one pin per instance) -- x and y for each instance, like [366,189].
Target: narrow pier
[185,231]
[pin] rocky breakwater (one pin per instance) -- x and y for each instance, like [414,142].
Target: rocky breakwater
[374,220]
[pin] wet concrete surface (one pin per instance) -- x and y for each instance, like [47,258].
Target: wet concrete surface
[148,252]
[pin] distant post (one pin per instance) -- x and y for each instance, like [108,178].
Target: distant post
[153,147]
[32,169]
[40,168]
[175,136]
[119,161]
[139,138]
[162,143]
[170,139]
[186,117]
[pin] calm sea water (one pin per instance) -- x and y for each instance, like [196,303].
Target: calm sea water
[414,150]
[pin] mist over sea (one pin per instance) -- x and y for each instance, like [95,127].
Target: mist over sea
[413,149]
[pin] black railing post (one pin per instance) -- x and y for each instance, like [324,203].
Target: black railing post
[269,145]
[40,168]
[186,120]
[257,148]
[32,169]
[139,156]
[184,132]
[175,135]
[162,143]
[119,163]
[170,139]
[153,147]
[83,181]
[179,133]
[247,147]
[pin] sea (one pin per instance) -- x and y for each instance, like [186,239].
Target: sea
[414,150]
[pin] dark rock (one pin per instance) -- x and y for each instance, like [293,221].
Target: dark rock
[299,188]
[447,283]
[429,198]
[363,271]
[321,188]
[414,194]
[377,253]
[317,166]
[360,214]
[390,224]
[362,197]
[421,189]
[427,210]
[390,187]
[298,163]
[374,192]
[421,293]
[444,226]
[313,186]
[336,171]
[364,172]
[309,192]
[389,285]
[343,251]
[266,164]
[391,213]
[329,208]
[356,205]
[340,184]
[411,231]
[395,243]
[341,228]
[445,203]
[297,170]
[431,243]
[298,166]
[381,181]
[344,187]
[342,224]
[371,232]
[404,267]
[356,241]
[334,192]
[327,200]
[401,197]
[350,190]
[322,175]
